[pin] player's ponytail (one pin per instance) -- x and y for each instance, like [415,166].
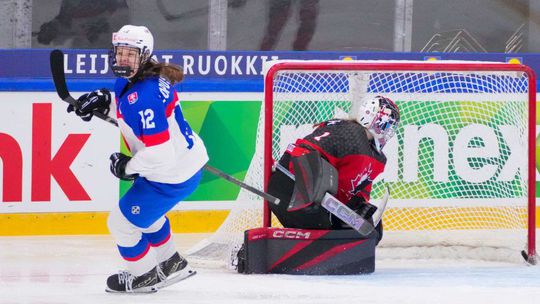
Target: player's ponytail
[172,72]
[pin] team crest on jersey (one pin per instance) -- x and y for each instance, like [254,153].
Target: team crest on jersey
[361,181]
[133,97]
[135,210]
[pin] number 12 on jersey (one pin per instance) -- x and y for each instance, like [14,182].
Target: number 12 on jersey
[147,119]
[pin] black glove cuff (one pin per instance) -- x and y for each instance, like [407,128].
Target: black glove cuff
[118,167]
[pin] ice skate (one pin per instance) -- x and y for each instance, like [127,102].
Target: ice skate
[174,270]
[125,282]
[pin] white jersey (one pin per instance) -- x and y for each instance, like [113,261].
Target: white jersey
[163,146]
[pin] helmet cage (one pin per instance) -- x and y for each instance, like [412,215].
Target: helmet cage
[136,37]
[379,115]
[385,123]
[126,71]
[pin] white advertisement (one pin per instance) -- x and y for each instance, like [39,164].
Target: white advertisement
[53,161]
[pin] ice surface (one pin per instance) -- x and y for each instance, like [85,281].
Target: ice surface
[71,269]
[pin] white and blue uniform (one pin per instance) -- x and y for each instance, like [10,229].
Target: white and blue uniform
[166,154]
[163,146]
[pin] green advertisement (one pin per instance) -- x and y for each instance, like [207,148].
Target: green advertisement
[444,149]
[459,149]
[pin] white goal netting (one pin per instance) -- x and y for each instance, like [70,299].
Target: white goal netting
[458,169]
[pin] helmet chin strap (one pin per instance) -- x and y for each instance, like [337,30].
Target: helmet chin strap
[377,145]
[374,138]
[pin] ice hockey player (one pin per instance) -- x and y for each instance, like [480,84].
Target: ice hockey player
[165,166]
[354,147]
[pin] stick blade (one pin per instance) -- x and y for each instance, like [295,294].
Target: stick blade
[57,71]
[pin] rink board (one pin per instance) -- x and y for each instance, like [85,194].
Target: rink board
[34,123]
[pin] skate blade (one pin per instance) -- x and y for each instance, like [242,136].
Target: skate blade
[179,276]
[143,290]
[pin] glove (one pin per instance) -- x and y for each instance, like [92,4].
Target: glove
[118,167]
[98,100]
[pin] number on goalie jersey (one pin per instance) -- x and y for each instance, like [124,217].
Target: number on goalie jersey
[165,164]
[353,146]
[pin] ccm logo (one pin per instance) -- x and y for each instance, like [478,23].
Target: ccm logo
[280,234]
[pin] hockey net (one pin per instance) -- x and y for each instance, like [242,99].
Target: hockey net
[460,170]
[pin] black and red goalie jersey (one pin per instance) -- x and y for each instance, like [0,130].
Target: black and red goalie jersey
[348,147]
[351,150]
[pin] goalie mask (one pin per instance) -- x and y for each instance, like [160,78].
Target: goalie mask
[379,115]
[132,47]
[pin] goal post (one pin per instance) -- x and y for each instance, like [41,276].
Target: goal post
[461,168]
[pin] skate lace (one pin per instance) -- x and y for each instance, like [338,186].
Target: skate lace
[161,275]
[124,277]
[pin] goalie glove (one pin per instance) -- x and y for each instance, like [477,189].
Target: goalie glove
[98,100]
[118,167]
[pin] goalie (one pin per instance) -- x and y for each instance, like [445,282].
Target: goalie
[354,148]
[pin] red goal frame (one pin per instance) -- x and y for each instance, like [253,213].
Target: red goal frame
[411,66]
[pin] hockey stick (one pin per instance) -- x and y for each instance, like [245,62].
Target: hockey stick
[340,210]
[59,78]
[272,199]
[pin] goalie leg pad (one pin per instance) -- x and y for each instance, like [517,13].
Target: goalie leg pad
[307,252]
